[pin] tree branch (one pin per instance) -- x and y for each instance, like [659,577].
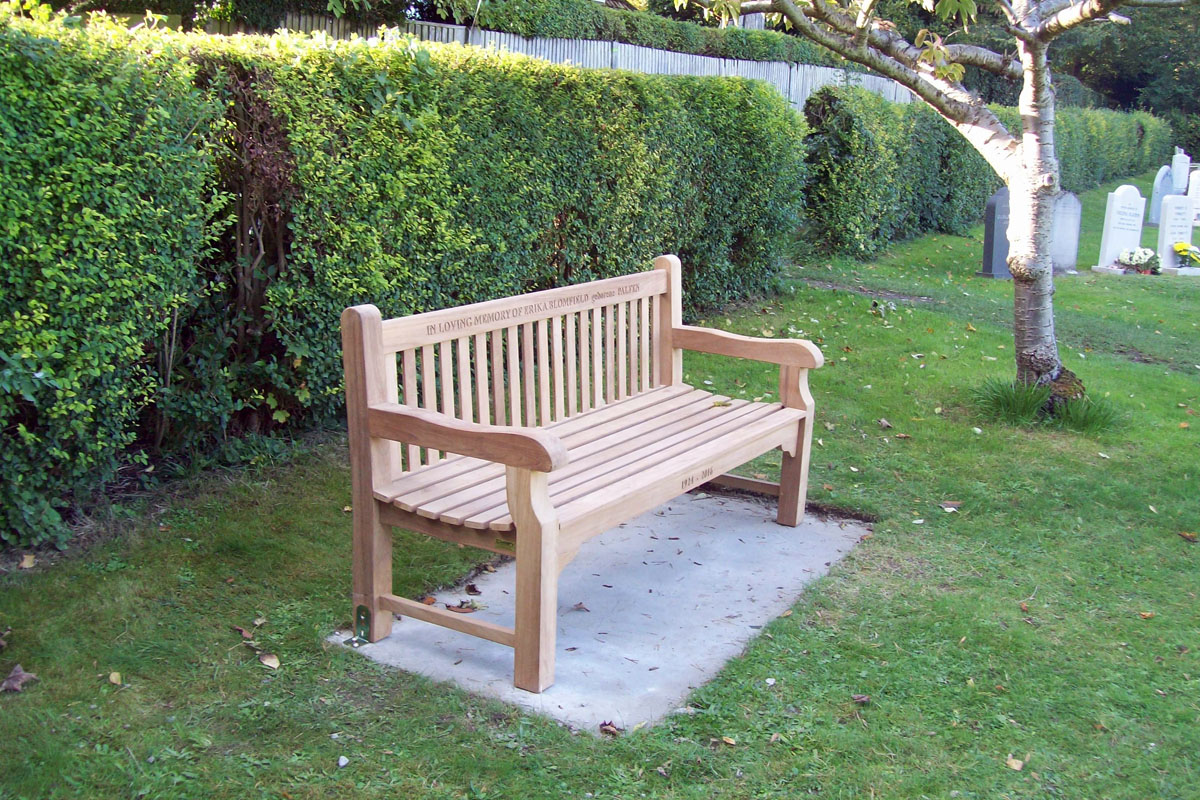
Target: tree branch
[1075,15]
[974,56]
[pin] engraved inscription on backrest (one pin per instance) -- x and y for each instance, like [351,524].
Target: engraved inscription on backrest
[529,360]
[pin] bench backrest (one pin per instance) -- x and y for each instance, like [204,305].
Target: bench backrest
[528,360]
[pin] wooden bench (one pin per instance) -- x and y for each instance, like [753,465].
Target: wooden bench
[528,424]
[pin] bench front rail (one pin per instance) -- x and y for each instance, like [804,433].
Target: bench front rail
[528,424]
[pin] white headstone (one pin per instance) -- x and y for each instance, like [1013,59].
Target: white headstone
[1122,223]
[1064,233]
[1181,164]
[1162,188]
[1194,190]
[1176,227]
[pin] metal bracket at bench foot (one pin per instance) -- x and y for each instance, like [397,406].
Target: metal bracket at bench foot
[362,628]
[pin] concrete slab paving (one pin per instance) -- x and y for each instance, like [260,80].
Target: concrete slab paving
[646,612]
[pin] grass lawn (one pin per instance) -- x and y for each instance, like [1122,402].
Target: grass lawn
[1051,619]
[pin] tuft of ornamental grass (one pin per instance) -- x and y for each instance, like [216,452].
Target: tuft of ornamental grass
[1020,404]
[1087,415]
[1010,401]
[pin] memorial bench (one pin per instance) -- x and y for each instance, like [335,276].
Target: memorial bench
[529,424]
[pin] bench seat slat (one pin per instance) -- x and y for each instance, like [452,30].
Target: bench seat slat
[455,464]
[589,451]
[639,442]
[460,475]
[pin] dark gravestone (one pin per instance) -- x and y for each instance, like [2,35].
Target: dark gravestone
[995,237]
[1064,235]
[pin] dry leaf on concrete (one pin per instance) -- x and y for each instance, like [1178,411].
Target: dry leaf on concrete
[610,729]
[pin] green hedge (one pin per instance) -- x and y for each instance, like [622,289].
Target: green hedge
[412,178]
[881,172]
[106,192]
[564,19]
[587,19]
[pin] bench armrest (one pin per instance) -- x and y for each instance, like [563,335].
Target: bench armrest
[528,448]
[785,352]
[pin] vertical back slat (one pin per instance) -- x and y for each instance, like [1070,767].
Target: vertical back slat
[656,315]
[644,341]
[635,339]
[409,367]
[622,333]
[610,353]
[446,376]
[481,379]
[556,357]
[514,378]
[529,374]
[499,417]
[465,393]
[429,391]
[543,371]
[597,358]
[572,360]
[585,362]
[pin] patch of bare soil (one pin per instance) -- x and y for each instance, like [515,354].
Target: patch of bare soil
[882,294]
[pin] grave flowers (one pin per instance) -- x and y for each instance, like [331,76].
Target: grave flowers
[1140,259]
[1189,252]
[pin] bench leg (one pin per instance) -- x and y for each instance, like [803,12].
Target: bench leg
[793,475]
[537,579]
[372,567]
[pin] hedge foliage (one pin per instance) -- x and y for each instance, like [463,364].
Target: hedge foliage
[881,172]
[564,19]
[587,19]
[106,195]
[143,310]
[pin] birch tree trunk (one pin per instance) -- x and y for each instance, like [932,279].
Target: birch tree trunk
[1033,185]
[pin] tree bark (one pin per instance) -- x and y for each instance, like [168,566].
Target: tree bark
[1032,188]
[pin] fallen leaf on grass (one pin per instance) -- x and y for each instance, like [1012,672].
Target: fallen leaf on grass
[1146,614]
[114,678]
[347,509]
[1184,425]
[1152,508]
[861,699]
[1014,763]
[883,423]
[903,436]
[472,589]
[729,740]
[970,327]
[950,506]
[1024,606]
[1103,455]
[827,487]
[610,729]
[245,633]
[269,660]
[787,613]
[27,561]
[1188,536]
[775,737]
[17,679]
